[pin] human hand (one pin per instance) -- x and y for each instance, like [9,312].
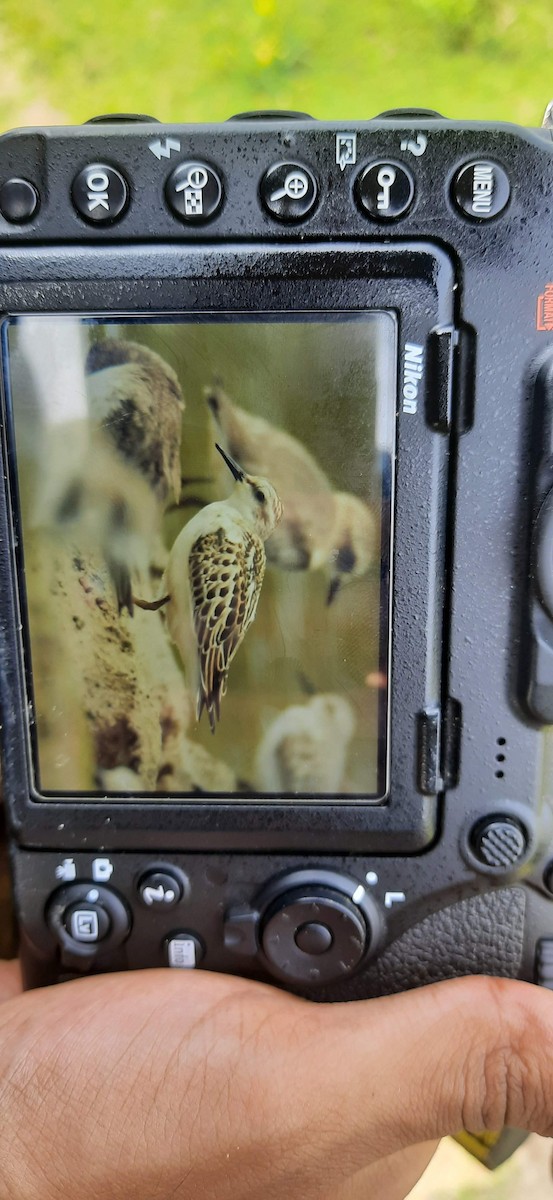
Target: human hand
[160,1084]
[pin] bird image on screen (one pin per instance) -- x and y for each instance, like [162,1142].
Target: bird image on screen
[205,506]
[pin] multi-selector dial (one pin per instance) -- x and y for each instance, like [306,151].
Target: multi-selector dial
[310,927]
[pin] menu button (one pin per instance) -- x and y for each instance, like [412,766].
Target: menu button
[481,190]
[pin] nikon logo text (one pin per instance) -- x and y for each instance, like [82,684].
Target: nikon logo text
[413,366]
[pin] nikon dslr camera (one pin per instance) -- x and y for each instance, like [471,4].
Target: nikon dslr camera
[276,628]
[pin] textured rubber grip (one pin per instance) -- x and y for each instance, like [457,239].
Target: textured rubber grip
[483,935]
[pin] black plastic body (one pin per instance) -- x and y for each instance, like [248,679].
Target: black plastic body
[465,741]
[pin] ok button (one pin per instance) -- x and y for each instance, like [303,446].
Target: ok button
[100,194]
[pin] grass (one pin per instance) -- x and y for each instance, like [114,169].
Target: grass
[473,58]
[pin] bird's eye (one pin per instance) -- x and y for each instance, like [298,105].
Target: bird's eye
[259,496]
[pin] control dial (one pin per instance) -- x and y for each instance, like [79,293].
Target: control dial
[316,927]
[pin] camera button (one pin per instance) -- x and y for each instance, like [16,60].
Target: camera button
[194,192]
[288,191]
[409,114]
[481,190]
[100,194]
[272,114]
[384,190]
[313,938]
[499,842]
[184,951]
[544,963]
[87,922]
[18,200]
[87,919]
[159,890]
[122,119]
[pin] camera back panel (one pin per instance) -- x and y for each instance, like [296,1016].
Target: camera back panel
[378,294]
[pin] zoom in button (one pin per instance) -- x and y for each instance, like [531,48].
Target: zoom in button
[288,191]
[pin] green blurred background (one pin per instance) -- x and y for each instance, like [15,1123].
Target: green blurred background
[180,61]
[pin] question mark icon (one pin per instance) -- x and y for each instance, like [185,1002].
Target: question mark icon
[416,146]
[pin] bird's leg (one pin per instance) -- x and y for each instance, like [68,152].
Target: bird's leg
[151,605]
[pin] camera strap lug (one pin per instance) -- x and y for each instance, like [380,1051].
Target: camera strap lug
[450,379]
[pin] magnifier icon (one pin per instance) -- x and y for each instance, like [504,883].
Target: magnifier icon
[295,186]
[197,178]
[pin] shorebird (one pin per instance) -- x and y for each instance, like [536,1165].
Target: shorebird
[136,398]
[135,405]
[213,582]
[304,749]
[321,528]
[354,544]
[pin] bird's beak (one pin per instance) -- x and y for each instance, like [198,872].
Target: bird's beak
[231,464]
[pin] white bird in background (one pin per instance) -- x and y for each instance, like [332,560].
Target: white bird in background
[213,582]
[135,405]
[353,541]
[321,528]
[136,398]
[304,750]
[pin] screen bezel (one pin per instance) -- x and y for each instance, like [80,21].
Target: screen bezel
[416,283]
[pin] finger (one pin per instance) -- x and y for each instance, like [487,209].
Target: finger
[201,1085]
[473,1054]
[10,980]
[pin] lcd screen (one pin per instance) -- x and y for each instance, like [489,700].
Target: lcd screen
[202,508]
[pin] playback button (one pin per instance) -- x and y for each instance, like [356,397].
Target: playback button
[100,194]
[481,190]
[18,200]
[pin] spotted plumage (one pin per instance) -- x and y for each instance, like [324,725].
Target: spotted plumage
[225,575]
[213,580]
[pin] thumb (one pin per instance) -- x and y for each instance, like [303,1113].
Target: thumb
[473,1054]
